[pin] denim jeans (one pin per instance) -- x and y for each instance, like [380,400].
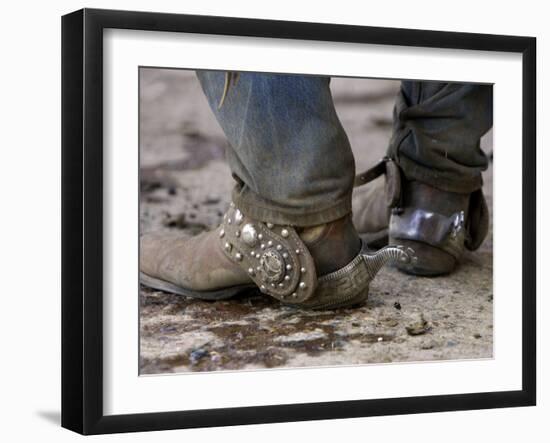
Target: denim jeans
[291,157]
[436,132]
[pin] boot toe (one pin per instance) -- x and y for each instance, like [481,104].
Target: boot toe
[152,248]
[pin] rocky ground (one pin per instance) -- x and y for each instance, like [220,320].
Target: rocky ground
[185,186]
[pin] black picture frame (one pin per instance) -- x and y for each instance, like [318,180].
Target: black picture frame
[82,221]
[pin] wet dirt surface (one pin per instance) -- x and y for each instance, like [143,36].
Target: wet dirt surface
[185,186]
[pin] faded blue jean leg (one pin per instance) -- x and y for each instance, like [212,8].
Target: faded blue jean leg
[288,153]
[437,132]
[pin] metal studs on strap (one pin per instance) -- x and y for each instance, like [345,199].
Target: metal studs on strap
[274,256]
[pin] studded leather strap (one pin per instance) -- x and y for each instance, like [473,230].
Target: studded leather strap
[274,256]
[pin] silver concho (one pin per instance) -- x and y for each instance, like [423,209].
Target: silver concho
[272,266]
[249,234]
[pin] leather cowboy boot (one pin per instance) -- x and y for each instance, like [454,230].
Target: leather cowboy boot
[438,225]
[319,267]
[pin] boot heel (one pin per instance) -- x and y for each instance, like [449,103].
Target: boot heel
[431,261]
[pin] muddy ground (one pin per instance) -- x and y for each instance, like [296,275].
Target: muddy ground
[185,185]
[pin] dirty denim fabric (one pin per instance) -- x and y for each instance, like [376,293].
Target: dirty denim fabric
[288,152]
[291,157]
[437,131]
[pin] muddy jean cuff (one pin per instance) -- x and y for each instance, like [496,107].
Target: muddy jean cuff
[437,131]
[255,206]
[450,181]
[287,150]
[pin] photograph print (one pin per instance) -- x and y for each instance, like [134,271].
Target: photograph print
[296,221]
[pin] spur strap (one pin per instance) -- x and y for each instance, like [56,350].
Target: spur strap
[372,173]
[386,166]
[274,256]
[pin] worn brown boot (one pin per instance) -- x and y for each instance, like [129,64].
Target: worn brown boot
[438,225]
[371,214]
[318,267]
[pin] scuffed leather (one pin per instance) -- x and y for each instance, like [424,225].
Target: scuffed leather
[370,211]
[371,205]
[332,245]
[196,262]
